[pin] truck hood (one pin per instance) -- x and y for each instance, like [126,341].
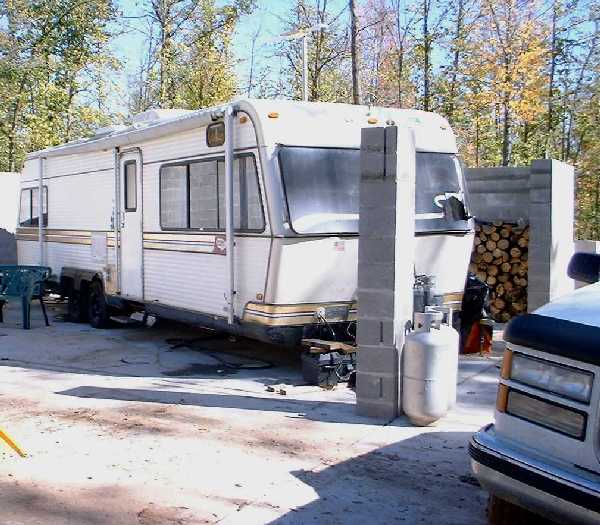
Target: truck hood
[581,306]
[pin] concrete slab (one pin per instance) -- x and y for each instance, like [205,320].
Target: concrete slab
[122,429]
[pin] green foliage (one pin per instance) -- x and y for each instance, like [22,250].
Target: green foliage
[329,68]
[48,49]
[517,80]
[191,64]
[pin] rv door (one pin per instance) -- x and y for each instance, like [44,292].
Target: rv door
[130,249]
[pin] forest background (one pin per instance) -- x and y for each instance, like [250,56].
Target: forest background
[517,79]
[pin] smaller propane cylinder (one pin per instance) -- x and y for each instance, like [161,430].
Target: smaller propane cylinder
[429,369]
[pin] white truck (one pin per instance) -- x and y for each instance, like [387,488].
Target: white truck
[542,454]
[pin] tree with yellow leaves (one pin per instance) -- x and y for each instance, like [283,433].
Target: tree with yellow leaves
[506,62]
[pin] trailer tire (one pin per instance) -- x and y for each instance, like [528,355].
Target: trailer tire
[98,311]
[76,308]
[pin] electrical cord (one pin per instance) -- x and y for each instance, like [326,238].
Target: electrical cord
[192,344]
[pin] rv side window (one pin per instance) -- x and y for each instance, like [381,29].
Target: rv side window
[203,195]
[192,195]
[173,197]
[247,209]
[130,186]
[29,208]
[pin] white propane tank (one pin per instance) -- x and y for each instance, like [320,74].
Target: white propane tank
[429,369]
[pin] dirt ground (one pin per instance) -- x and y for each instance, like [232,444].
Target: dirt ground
[121,428]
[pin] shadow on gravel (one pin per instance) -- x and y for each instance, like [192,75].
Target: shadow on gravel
[325,411]
[423,479]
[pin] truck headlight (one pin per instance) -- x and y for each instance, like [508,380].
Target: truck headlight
[558,379]
[549,415]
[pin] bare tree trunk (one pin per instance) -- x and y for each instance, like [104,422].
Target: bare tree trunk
[477,142]
[553,55]
[164,17]
[400,73]
[456,59]
[505,132]
[426,54]
[354,51]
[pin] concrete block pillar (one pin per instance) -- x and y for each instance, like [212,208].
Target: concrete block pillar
[385,266]
[551,219]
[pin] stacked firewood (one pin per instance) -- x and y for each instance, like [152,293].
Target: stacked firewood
[499,259]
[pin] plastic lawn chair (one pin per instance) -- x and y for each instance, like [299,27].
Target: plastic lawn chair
[26,283]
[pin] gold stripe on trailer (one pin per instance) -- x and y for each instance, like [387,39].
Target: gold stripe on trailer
[83,237]
[180,247]
[51,231]
[181,237]
[299,314]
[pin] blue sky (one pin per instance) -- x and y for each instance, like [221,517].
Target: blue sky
[268,16]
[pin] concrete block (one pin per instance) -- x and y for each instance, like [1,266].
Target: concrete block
[377,276]
[372,153]
[539,213]
[379,387]
[376,303]
[375,332]
[536,299]
[382,359]
[375,251]
[497,185]
[391,152]
[540,181]
[377,223]
[540,195]
[378,193]
[538,282]
[541,166]
[376,409]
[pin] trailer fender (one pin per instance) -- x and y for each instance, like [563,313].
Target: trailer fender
[78,280]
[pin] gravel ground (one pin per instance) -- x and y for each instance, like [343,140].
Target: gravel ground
[122,429]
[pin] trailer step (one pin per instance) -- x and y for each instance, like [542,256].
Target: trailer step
[123,319]
[138,318]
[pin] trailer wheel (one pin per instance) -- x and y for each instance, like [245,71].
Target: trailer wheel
[76,308]
[97,307]
[502,512]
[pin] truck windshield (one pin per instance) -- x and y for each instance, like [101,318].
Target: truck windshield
[322,189]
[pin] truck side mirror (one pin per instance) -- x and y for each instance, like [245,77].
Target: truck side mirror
[454,209]
[584,267]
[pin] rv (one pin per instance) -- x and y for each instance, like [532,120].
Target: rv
[242,217]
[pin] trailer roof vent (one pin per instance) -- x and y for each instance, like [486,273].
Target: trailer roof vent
[154,115]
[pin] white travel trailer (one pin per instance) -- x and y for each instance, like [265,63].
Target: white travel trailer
[242,217]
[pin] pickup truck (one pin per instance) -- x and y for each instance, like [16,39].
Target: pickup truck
[541,456]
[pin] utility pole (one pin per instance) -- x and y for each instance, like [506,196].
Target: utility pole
[303,34]
[305,67]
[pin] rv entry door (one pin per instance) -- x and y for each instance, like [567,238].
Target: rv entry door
[131,227]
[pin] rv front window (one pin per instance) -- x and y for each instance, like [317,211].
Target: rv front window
[322,184]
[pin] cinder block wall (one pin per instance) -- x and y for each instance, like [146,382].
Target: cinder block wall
[499,194]
[542,195]
[385,267]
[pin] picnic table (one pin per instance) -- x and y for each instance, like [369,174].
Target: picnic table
[25,283]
